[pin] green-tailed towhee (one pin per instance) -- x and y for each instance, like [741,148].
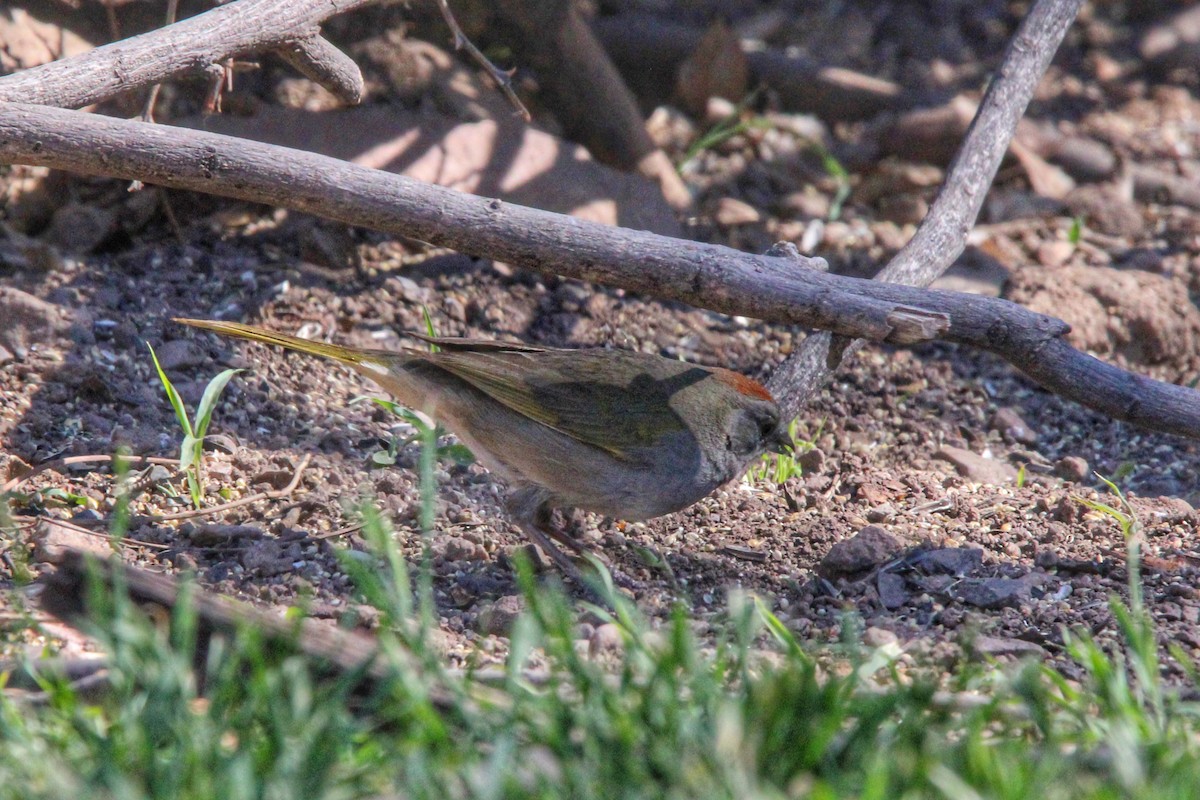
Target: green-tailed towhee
[624,434]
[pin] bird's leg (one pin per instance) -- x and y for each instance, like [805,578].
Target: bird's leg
[561,535]
[530,510]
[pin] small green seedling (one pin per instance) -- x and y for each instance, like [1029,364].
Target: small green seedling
[736,123]
[1075,232]
[429,329]
[777,467]
[55,496]
[46,497]
[191,450]
[840,177]
[386,457]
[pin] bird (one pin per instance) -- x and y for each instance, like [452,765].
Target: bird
[624,434]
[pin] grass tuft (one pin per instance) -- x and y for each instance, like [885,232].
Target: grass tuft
[747,711]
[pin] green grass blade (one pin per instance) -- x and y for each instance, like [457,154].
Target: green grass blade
[172,395]
[208,402]
[189,451]
[429,329]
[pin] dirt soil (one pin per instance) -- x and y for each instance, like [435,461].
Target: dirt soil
[940,501]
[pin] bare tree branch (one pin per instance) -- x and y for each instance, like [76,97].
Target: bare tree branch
[942,235]
[501,78]
[646,47]
[581,85]
[189,46]
[708,276]
[319,61]
[788,290]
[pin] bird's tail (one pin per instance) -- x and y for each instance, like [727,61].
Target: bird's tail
[371,359]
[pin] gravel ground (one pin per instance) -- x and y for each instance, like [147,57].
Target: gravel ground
[940,501]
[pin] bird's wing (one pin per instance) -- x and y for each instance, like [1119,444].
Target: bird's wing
[477,345]
[615,405]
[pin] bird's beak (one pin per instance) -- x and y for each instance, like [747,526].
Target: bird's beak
[780,442]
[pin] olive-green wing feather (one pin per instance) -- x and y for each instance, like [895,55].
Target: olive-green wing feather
[617,405]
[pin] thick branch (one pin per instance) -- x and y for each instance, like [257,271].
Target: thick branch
[582,87]
[247,26]
[709,276]
[649,51]
[66,596]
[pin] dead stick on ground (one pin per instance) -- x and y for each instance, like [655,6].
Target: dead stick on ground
[66,597]
[241,501]
[94,459]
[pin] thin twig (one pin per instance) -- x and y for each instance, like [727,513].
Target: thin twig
[148,110]
[69,460]
[502,78]
[318,537]
[242,501]
[103,534]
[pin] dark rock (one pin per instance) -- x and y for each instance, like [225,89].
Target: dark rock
[957,561]
[498,618]
[212,535]
[1046,559]
[80,228]
[269,557]
[992,592]
[892,590]
[934,584]
[866,550]
[1072,468]
[179,353]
